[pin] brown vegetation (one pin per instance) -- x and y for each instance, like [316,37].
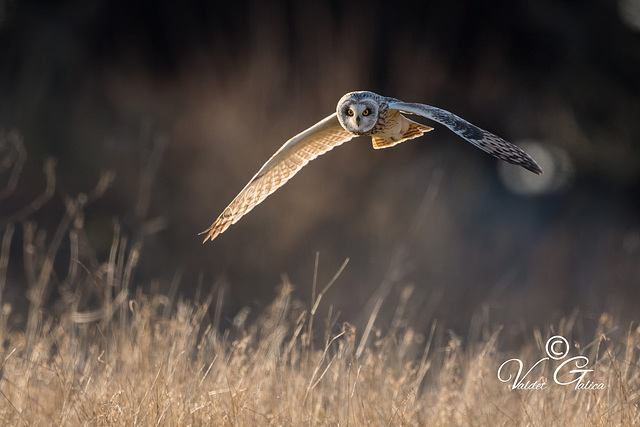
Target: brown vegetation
[138,359]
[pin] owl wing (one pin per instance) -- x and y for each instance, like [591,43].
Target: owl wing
[482,139]
[284,164]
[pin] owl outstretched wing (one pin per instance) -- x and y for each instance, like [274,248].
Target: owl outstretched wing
[284,164]
[486,141]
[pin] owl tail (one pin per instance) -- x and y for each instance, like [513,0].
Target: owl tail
[414,130]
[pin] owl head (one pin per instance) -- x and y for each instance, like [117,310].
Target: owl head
[358,112]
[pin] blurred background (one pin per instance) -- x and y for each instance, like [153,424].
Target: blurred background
[184,101]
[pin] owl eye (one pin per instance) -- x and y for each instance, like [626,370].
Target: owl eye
[349,112]
[365,112]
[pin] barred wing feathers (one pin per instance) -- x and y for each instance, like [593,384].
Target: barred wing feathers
[486,141]
[285,163]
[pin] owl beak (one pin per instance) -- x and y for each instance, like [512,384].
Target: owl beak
[358,120]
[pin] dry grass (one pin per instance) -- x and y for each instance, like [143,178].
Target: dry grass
[132,363]
[137,359]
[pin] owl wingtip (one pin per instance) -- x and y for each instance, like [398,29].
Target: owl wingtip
[210,235]
[536,169]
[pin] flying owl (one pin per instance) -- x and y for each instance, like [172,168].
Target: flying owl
[358,113]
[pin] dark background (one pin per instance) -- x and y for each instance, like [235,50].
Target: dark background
[216,87]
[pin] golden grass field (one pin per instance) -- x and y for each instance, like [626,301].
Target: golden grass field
[147,360]
[138,359]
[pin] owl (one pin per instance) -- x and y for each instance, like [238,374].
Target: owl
[359,114]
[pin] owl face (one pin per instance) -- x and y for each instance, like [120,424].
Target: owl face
[357,112]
